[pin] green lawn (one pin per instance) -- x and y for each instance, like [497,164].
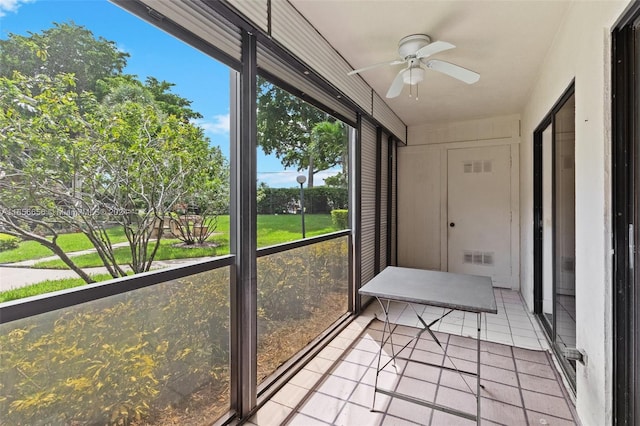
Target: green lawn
[29,250]
[47,287]
[270,229]
[123,255]
[280,229]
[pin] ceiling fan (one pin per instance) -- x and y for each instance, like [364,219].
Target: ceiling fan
[415,51]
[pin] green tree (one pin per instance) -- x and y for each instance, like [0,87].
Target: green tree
[125,162]
[36,116]
[65,48]
[299,134]
[91,146]
[147,163]
[169,102]
[339,180]
[125,86]
[196,218]
[329,141]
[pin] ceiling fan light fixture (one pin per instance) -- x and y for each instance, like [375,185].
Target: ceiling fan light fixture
[413,76]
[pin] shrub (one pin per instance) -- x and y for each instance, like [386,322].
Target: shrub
[8,242]
[340,219]
[123,359]
[293,283]
[115,360]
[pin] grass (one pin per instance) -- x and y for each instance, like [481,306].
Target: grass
[47,287]
[29,250]
[166,251]
[270,230]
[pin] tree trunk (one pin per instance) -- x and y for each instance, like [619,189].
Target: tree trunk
[67,260]
[311,171]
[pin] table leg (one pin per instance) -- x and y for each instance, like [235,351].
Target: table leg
[385,309]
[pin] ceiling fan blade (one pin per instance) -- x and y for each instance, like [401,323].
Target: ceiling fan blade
[433,48]
[359,70]
[396,86]
[453,70]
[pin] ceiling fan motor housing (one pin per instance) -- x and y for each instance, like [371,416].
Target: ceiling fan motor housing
[409,45]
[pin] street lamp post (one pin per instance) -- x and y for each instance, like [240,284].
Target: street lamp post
[301,180]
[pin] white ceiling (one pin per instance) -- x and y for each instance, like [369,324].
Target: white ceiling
[505,41]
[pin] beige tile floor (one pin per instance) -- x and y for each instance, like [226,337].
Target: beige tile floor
[521,385]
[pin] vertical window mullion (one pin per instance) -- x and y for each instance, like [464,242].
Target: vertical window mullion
[357,212]
[243,226]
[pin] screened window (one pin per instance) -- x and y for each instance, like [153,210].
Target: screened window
[115,162]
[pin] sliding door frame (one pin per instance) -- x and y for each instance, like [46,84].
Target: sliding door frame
[538,224]
[626,216]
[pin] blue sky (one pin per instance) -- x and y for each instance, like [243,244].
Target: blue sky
[152,53]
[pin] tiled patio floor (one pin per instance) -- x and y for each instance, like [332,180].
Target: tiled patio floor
[521,385]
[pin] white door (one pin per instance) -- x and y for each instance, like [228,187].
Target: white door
[479,212]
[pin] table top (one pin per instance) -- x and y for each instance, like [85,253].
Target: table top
[471,293]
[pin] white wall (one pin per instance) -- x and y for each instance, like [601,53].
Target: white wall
[580,51]
[419,207]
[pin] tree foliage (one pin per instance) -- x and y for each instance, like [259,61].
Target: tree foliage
[63,49]
[299,134]
[127,87]
[72,159]
[170,103]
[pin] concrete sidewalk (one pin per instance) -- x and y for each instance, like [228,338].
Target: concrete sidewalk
[29,263]
[11,278]
[16,277]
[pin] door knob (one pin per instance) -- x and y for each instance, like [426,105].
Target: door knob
[452,224]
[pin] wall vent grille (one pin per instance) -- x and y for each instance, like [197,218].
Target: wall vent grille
[480,258]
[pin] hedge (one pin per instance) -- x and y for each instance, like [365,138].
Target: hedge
[318,200]
[8,242]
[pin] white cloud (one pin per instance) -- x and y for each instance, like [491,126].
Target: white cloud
[11,6]
[282,179]
[287,178]
[219,125]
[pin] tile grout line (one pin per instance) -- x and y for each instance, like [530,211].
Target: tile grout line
[515,366]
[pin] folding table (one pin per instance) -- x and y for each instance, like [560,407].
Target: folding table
[469,293]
